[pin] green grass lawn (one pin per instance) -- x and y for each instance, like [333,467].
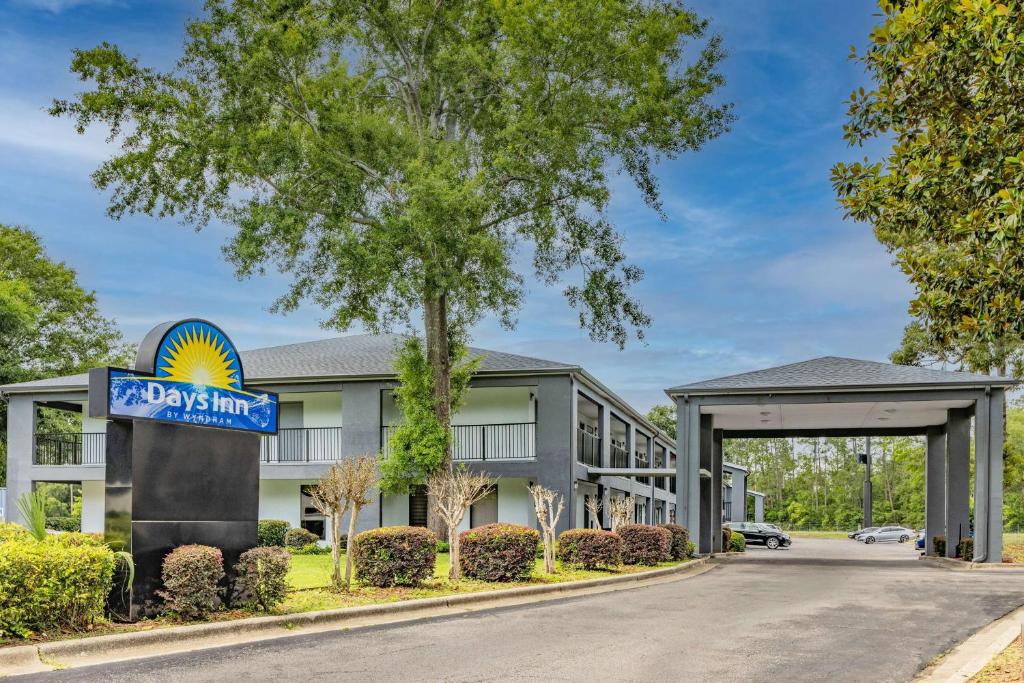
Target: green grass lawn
[817,534]
[310,579]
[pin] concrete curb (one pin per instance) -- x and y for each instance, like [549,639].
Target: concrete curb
[960,565]
[971,656]
[46,656]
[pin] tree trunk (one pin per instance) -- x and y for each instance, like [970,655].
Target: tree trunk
[454,569]
[348,547]
[335,549]
[435,324]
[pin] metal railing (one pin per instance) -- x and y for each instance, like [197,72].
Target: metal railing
[302,444]
[70,449]
[588,448]
[619,456]
[509,441]
[641,461]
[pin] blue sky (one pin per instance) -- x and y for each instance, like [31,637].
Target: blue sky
[753,267]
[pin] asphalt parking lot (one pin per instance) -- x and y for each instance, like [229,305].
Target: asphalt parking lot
[833,610]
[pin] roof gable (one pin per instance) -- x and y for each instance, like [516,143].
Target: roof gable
[833,372]
[361,355]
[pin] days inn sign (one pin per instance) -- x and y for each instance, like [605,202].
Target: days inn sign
[187,372]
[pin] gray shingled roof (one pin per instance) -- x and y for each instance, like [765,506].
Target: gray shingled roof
[832,372]
[361,355]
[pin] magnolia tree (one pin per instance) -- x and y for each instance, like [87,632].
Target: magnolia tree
[453,491]
[620,510]
[548,506]
[345,488]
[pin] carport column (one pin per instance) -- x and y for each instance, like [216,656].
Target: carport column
[716,490]
[21,429]
[934,487]
[958,477]
[988,477]
[688,465]
[759,509]
[707,498]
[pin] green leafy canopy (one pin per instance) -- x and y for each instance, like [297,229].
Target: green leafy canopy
[947,199]
[49,325]
[418,447]
[386,154]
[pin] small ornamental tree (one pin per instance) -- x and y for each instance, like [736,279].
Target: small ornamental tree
[594,506]
[452,492]
[345,488]
[548,506]
[621,510]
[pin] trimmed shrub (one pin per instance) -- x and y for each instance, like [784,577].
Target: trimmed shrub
[9,531]
[74,538]
[64,523]
[311,549]
[737,543]
[680,539]
[644,544]
[191,574]
[262,573]
[691,549]
[498,552]
[443,547]
[590,548]
[726,538]
[298,538]
[394,556]
[939,543]
[271,532]
[965,549]
[46,586]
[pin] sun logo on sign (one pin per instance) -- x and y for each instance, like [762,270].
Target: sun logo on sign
[198,354]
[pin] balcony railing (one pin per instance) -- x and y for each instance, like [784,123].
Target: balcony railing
[620,456]
[70,449]
[641,461]
[588,448]
[510,441]
[302,444]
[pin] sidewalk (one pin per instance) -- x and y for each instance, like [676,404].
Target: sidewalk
[971,656]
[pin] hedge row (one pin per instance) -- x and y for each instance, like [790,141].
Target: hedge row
[59,583]
[394,556]
[590,548]
[498,552]
[645,544]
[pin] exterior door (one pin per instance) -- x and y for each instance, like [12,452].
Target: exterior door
[484,511]
[418,506]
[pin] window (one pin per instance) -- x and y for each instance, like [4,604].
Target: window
[418,506]
[310,518]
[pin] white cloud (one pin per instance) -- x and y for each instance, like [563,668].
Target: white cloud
[58,6]
[28,127]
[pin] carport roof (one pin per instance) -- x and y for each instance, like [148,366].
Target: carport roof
[833,373]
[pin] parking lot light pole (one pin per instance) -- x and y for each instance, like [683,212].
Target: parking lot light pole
[865,458]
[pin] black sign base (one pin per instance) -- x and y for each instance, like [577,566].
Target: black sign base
[170,485]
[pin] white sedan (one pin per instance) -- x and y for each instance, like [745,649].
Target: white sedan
[882,534]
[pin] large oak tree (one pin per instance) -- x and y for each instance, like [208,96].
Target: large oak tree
[405,158]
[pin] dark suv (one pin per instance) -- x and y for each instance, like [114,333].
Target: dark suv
[761,534]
